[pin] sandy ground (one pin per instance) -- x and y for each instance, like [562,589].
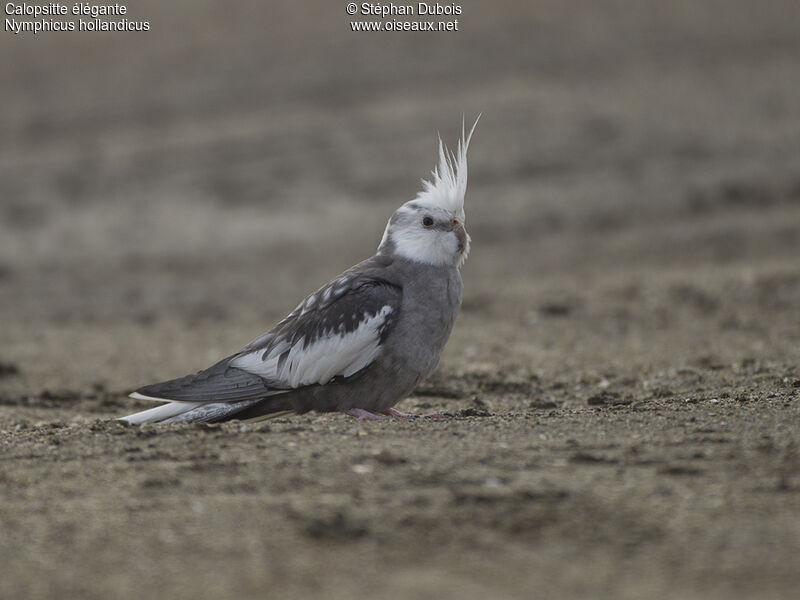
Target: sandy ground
[624,380]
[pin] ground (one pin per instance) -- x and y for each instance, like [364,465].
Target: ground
[622,386]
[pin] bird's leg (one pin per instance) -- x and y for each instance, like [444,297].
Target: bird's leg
[396,414]
[362,414]
[391,412]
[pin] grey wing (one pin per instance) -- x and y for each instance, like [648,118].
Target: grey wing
[336,332]
[219,383]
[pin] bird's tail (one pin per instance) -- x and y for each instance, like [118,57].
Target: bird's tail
[159,414]
[219,393]
[206,412]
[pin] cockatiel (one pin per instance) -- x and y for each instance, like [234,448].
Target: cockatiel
[359,344]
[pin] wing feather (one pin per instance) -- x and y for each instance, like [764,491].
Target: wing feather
[336,332]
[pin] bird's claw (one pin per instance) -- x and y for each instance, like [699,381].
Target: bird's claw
[396,414]
[365,415]
[391,413]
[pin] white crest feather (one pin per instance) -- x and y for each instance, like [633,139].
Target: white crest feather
[448,185]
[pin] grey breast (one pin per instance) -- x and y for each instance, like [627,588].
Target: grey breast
[431,303]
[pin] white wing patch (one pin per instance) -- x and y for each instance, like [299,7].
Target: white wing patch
[333,354]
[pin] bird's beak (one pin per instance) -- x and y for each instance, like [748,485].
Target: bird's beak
[461,234]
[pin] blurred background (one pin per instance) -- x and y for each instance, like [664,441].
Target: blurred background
[634,204]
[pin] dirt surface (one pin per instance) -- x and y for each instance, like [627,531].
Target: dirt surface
[624,379]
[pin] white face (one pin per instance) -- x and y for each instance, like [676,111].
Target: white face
[427,234]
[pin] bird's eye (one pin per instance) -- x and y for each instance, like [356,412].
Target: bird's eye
[427,221]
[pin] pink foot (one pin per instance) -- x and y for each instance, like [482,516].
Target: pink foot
[396,414]
[362,414]
[391,412]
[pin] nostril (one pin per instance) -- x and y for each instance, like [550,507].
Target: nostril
[456,222]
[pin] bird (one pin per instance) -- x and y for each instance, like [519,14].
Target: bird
[359,344]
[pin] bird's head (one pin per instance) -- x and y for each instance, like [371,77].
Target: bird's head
[430,228]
